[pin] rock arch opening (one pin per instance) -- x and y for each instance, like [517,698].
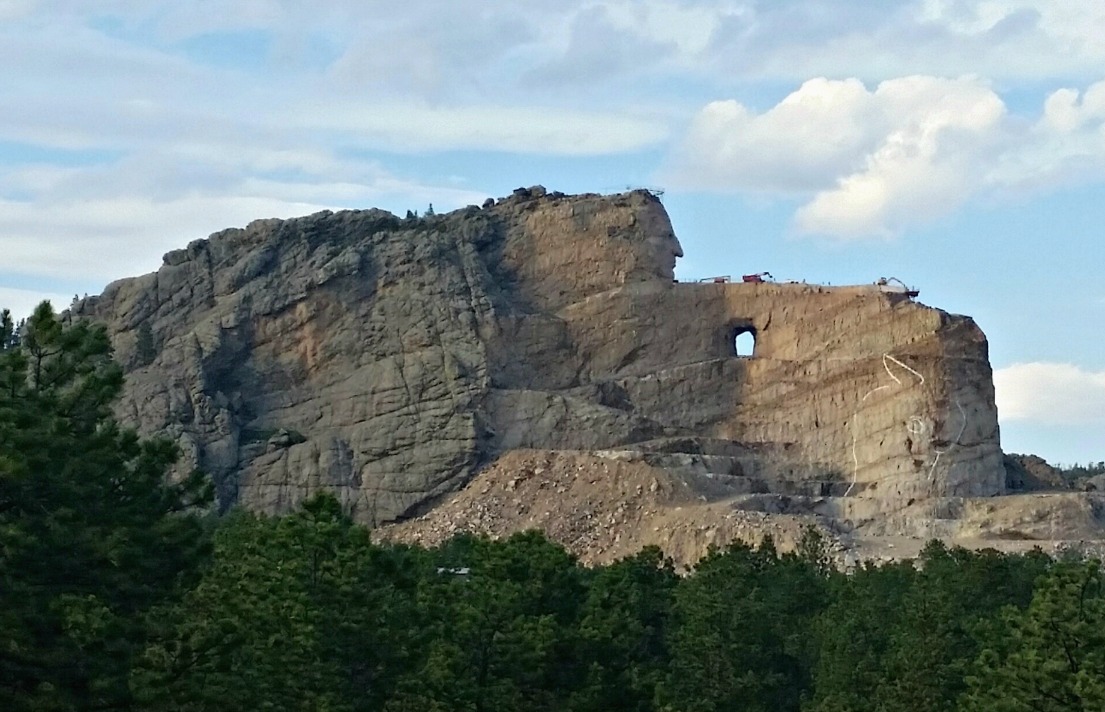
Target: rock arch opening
[744,341]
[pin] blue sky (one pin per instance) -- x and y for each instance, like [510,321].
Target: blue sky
[958,145]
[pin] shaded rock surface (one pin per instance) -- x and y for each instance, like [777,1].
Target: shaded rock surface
[389,361]
[1031,473]
[402,353]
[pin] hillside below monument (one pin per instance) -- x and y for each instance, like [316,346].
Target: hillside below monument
[534,364]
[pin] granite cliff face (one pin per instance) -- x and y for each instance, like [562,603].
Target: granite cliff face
[390,360]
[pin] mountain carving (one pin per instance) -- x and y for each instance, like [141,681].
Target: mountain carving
[391,361]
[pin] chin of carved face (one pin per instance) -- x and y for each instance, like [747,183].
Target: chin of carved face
[661,245]
[665,250]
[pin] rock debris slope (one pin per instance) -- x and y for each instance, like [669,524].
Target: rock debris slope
[390,360]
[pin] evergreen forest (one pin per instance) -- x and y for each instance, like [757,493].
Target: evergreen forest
[119,590]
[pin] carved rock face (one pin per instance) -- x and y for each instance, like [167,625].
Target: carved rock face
[388,359]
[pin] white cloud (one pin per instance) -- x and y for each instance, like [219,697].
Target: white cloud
[1050,393]
[1001,39]
[1066,145]
[688,27]
[104,237]
[14,9]
[532,130]
[472,50]
[21,302]
[107,238]
[449,84]
[800,144]
[875,162]
[625,44]
[925,166]
[188,143]
[97,224]
[462,76]
[1075,25]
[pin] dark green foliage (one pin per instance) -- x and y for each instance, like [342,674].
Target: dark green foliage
[500,619]
[902,637]
[623,630]
[110,599]
[305,612]
[853,636]
[145,351]
[741,637]
[91,536]
[1049,657]
[297,613]
[1076,472]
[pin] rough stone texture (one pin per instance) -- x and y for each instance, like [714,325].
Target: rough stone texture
[389,360]
[401,354]
[601,506]
[605,505]
[1030,473]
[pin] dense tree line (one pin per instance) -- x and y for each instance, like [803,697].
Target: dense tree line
[1074,473]
[117,592]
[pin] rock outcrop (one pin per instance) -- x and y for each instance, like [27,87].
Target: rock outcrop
[390,360]
[1030,473]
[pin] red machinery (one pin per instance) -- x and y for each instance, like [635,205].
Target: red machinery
[758,278]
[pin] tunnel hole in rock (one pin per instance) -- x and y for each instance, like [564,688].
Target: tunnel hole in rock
[744,341]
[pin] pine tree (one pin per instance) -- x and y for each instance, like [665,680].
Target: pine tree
[91,536]
[1050,657]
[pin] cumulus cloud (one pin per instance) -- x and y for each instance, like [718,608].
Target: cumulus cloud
[874,162]
[935,135]
[800,144]
[1050,393]
[1066,145]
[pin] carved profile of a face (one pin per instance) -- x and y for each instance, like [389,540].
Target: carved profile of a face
[662,247]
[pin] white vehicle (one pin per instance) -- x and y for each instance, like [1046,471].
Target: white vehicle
[893,285]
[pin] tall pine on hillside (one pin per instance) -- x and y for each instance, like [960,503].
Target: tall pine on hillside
[91,534]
